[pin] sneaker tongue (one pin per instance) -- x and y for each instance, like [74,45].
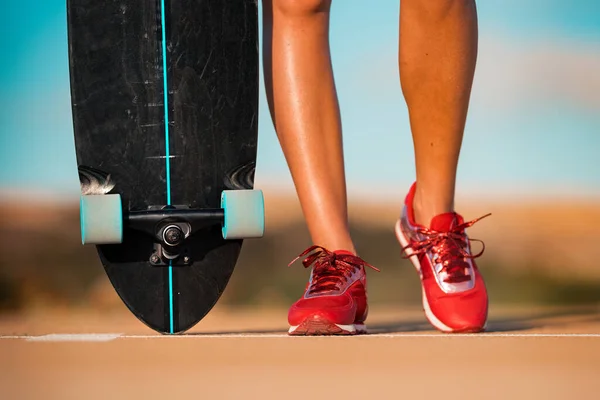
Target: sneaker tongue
[445,222]
[346,252]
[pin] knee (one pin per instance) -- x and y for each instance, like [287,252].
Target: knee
[438,8]
[295,8]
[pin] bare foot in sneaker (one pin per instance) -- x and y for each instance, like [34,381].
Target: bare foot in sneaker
[454,294]
[335,299]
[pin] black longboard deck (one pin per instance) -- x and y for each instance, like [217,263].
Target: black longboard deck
[116,58]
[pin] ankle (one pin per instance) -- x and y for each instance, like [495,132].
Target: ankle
[337,245]
[426,206]
[301,9]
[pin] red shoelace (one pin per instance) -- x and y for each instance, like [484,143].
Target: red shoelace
[449,247]
[330,269]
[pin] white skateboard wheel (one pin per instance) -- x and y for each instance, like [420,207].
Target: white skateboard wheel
[244,214]
[101,218]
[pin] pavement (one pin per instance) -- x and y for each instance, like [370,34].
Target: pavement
[526,353]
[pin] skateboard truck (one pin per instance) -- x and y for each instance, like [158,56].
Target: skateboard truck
[169,249]
[170,226]
[104,221]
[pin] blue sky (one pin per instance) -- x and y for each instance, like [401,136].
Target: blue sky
[533,126]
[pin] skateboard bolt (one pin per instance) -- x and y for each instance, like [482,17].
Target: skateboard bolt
[186,259]
[173,235]
[154,259]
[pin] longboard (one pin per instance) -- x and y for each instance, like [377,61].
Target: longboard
[165,115]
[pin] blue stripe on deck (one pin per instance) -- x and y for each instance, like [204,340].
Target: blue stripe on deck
[167,152]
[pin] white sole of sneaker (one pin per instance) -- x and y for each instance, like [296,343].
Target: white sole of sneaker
[333,329]
[360,329]
[317,325]
[415,261]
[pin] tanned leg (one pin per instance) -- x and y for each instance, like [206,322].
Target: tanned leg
[437,56]
[304,108]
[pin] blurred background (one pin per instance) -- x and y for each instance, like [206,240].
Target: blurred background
[530,157]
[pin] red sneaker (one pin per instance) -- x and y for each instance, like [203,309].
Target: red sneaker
[454,294]
[335,298]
